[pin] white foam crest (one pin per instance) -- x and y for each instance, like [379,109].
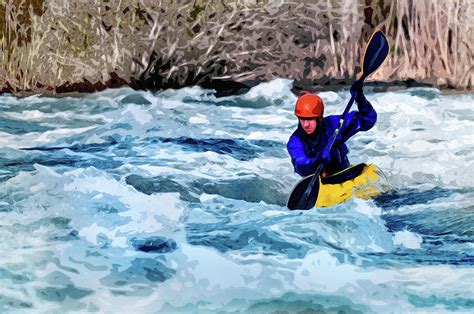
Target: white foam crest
[115,93]
[266,119]
[175,104]
[30,115]
[355,226]
[219,279]
[39,116]
[416,137]
[137,112]
[152,171]
[270,90]
[195,92]
[277,91]
[91,181]
[366,207]
[13,101]
[199,119]
[407,239]
[320,271]
[210,164]
[33,139]
[332,97]
[50,136]
[268,135]
[91,188]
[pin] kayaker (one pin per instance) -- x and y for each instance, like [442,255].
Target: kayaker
[307,144]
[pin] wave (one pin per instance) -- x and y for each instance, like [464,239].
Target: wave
[126,196]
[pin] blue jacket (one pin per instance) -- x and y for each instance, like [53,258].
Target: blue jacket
[306,149]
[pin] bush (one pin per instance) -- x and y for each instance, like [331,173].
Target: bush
[65,45]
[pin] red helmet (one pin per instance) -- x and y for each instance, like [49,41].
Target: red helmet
[309,106]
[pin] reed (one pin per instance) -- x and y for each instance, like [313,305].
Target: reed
[432,39]
[64,45]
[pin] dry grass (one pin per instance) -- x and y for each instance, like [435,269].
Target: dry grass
[154,44]
[432,39]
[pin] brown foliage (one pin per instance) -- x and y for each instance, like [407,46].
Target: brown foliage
[87,45]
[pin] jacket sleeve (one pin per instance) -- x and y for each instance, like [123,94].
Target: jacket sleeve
[303,165]
[362,120]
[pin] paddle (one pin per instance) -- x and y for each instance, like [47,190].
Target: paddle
[305,193]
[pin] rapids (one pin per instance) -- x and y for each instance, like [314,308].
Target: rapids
[174,201]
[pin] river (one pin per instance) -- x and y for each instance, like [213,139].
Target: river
[174,201]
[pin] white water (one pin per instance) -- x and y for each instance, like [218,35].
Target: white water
[84,183]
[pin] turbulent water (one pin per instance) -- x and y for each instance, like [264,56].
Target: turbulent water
[127,201]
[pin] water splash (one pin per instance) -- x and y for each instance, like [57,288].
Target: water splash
[127,197]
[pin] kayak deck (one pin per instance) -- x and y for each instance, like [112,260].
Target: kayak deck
[357,181]
[363,181]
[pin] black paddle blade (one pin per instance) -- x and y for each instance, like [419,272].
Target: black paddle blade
[375,53]
[296,199]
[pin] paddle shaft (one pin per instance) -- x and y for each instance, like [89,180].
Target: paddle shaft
[375,53]
[328,147]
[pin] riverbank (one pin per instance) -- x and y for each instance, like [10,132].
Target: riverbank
[67,47]
[377,87]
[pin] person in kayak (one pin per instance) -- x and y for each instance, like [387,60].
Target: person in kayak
[307,144]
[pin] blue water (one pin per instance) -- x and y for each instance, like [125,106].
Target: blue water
[128,201]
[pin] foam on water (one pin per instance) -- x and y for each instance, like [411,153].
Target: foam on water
[126,197]
[408,239]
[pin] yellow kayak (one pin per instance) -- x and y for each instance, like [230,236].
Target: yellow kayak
[363,181]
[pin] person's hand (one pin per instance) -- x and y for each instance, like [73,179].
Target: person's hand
[338,139]
[325,156]
[356,88]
